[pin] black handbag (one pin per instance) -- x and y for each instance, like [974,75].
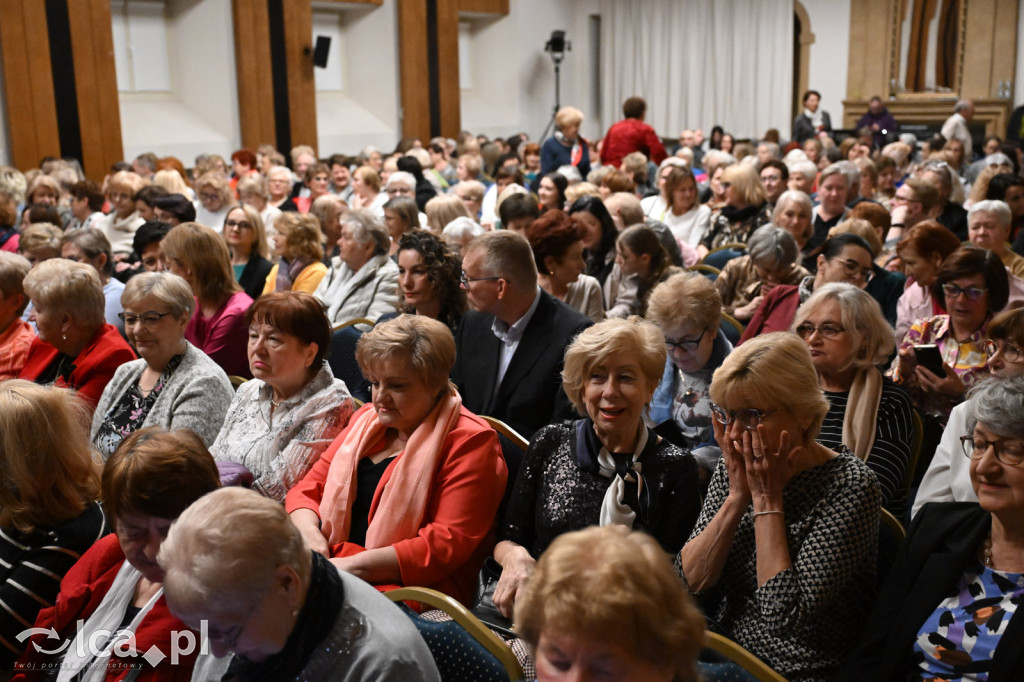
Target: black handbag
[483,601]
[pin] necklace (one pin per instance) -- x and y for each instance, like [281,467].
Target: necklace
[986,551]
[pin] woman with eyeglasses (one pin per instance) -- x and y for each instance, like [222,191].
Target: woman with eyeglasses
[843,258]
[245,235]
[848,337]
[606,468]
[971,285]
[947,478]
[783,554]
[954,592]
[173,384]
[746,209]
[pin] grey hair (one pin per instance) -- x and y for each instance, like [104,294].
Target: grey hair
[773,149]
[873,337]
[461,228]
[366,228]
[772,248]
[997,159]
[998,404]
[805,168]
[402,176]
[998,208]
[850,170]
[963,105]
[792,196]
[166,287]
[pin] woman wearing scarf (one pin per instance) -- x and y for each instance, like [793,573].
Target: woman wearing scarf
[117,586]
[813,120]
[407,494]
[607,468]
[566,147]
[298,243]
[746,209]
[273,610]
[848,337]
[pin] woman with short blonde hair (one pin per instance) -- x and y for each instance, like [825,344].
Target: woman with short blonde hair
[443,209]
[298,245]
[215,198]
[746,208]
[366,185]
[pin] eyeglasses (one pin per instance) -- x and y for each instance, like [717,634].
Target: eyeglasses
[1011,353]
[401,191]
[230,637]
[852,268]
[972,293]
[466,280]
[685,344]
[242,224]
[1009,452]
[148,319]
[748,419]
[828,330]
[905,200]
[209,196]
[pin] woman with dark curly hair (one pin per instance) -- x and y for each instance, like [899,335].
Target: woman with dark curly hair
[428,279]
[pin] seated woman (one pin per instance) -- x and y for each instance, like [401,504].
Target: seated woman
[366,194]
[214,199]
[746,209]
[688,310]
[280,422]
[75,347]
[784,550]
[246,238]
[557,244]
[599,235]
[401,216]
[771,260]
[362,280]
[442,210]
[641,263]
[794,214]
[237,568]
[953,593]
[678,206]
[607,468]
[199,256]
[49,514]
[947,478]
[119,226]
[604,599]
[407,494]
[90,246]
[173,384]
[848,338]
[117,585]
[298,246]
[922,252]
[971,284]
[16,335]
[428,280]
[551,191]
[318,180]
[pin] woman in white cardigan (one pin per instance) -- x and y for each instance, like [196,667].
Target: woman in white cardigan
[173,384]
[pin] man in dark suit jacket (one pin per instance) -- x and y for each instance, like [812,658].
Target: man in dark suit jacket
[511,344]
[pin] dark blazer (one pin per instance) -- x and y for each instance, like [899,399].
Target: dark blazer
[531,395]
[254,275]
[943,541]
[803,129]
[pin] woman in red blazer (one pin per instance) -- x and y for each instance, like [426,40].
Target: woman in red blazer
[75,347]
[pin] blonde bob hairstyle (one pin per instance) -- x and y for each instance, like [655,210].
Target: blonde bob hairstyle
[746,184]
[220,555]
[49,472]
[568,116]
[861,316]
[68,288]
[125,180]
[443,209]
[172,181]
[686,297]
[634,336]
[41,239]
[773,371]
[217,182]
[199,249]
[605,584]
[368,176]
[259,230]
[428,346]
[302,235]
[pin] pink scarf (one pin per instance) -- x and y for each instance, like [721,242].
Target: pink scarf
[398,513]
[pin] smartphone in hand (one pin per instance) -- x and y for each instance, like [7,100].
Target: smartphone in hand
[929,357]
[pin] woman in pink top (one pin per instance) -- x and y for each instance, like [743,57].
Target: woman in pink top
[15,334]
[218,327]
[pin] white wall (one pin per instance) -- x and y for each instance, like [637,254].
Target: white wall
[357,102]
[200,112]
[830,52]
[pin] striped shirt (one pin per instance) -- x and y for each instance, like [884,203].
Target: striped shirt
[32,566]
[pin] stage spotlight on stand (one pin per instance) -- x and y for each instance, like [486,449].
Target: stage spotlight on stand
[557,46]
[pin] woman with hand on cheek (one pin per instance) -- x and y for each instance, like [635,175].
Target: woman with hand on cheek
[784,549]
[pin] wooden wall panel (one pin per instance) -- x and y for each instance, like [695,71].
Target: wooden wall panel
[448,77]
[484,6]
[977,67]
[298,38]
[255,79]
[413,68]
[1004,43]
[28,82]
[99,115]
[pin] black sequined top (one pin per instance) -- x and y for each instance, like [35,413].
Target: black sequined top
[553,495]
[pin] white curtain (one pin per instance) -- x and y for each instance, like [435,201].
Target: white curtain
[699,63]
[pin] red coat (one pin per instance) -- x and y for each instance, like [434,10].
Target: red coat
[457,532]
[81,592]
[631,135]
[94,366]
[776,312]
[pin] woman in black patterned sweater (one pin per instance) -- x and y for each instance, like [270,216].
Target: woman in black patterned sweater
[848,337]
[783,554]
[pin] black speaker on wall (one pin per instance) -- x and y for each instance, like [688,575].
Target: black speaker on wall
[321,50]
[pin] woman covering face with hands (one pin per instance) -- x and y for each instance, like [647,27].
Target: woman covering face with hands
[784,551]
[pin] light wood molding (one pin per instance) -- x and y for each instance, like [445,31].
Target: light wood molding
[298,37]
[994,113]
[255,78]
[414,71]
